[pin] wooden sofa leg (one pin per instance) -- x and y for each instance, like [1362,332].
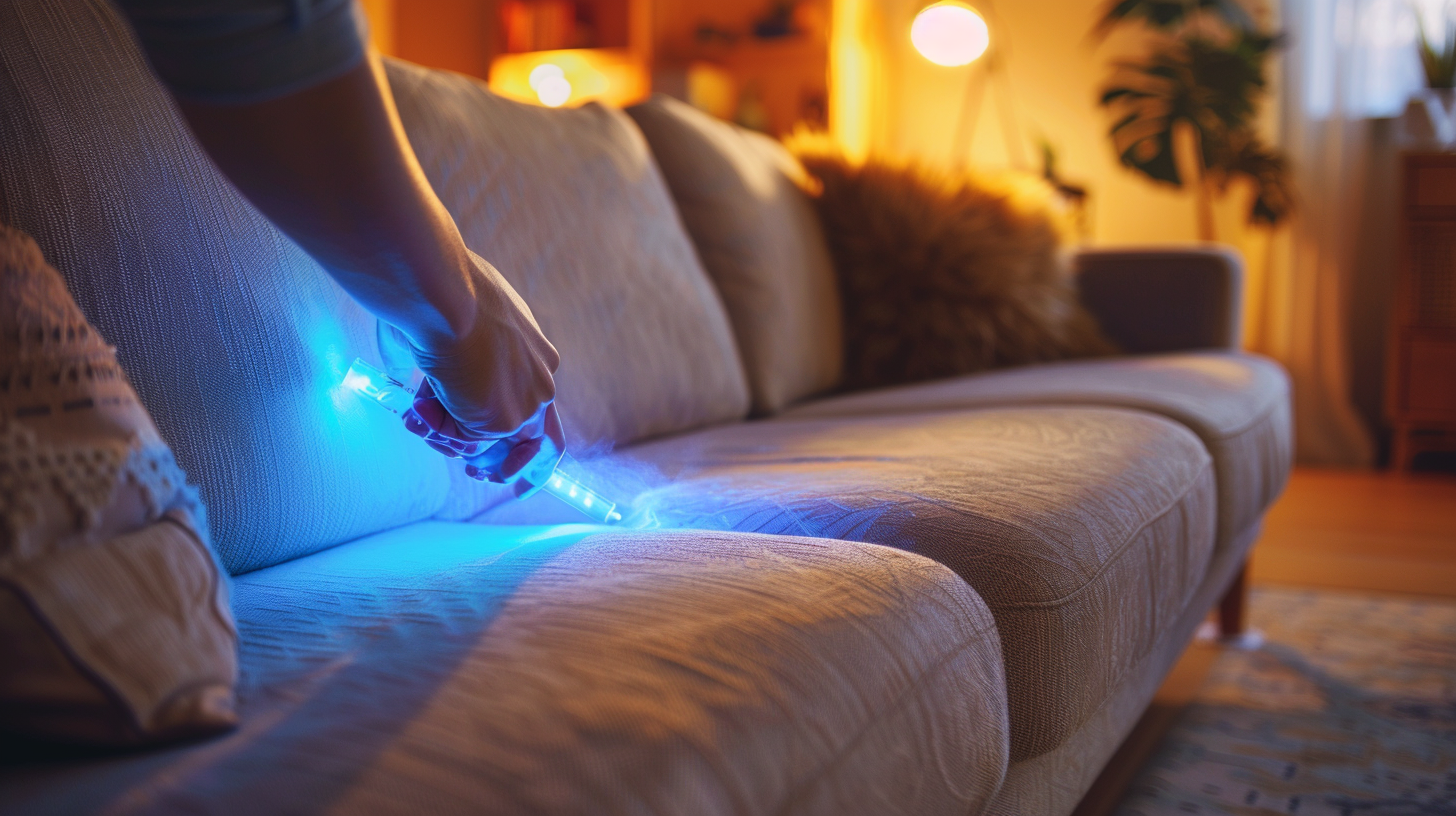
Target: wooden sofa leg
[1231,607]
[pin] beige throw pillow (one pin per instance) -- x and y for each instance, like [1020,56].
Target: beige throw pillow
[114,620]
[756,231]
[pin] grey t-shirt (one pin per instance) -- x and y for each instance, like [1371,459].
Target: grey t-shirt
[244,51]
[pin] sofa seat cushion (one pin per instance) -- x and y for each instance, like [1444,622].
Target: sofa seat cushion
[452,668]
[1237,403]
[1084,529]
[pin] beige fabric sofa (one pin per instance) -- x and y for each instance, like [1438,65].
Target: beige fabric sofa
[948,598]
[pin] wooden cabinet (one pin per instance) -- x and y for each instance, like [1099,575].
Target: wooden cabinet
[1421,386]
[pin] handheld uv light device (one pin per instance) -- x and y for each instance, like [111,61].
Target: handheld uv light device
[396,397]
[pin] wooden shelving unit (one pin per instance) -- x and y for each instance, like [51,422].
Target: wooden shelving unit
[789,77]
[601,48]
[619,51]
[770,81]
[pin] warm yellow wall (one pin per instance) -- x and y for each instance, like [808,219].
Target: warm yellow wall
[381,24]
[886,98]
[1053,71]
[456,35]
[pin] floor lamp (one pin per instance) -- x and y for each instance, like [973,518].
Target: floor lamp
[952,34]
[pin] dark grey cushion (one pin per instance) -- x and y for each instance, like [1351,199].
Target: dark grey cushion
[1153,300]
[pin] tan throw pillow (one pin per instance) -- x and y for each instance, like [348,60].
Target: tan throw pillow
[114,620]
[944,275]
[759,238]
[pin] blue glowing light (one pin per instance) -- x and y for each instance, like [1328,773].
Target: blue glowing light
[582,498]
[373,384]
[394,396]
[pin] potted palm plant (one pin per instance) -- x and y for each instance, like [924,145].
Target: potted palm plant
[1196,90]
[1431,116]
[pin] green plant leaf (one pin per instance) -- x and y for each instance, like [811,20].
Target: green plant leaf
[1153,157]
[1268,171]
[1113,94]
[1437,61]
[1214,86]
[1168,15]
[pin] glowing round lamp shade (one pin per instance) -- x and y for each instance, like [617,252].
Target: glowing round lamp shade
[553,91]
[545,70]
[950,34]
[549,83]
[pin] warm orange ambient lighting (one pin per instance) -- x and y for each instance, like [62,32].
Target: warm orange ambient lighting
[570,77]
[550,84]
[852,70]
[950,34]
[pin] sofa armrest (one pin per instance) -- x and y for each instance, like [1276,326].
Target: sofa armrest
[1164,298]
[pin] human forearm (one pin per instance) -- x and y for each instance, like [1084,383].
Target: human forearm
[330,166]
[286,99]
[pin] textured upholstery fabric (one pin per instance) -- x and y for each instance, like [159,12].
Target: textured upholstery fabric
[1237,403]
[1084,529]
[760,239]
[1151,300]
[569,206]
[114,620]
[1053,783]
[453,668]
[235,339]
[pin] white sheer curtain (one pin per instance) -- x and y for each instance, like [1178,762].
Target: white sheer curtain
[1358,57]
[1348,61]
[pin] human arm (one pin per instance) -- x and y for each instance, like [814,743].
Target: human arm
[328,162]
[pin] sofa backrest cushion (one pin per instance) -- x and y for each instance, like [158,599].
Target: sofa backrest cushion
[760,239]
[236,341]
[571,209]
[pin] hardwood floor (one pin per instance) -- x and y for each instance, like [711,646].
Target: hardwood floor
[1344,529]
[1362,530]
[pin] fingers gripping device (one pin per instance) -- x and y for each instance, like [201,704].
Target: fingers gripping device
[394,396]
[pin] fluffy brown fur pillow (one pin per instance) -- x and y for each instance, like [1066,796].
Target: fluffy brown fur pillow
[943,276]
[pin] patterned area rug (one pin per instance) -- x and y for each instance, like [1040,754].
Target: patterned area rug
[1349,708]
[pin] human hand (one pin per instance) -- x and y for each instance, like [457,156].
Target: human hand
[488,395]
[525,459]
